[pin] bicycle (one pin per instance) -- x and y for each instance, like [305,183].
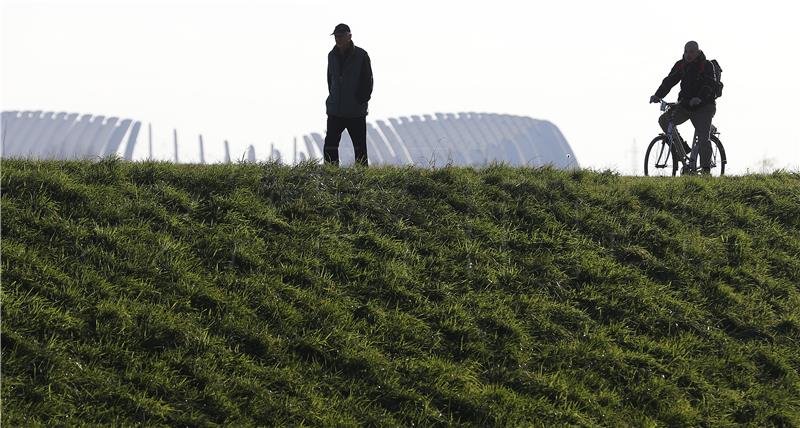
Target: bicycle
[670,151]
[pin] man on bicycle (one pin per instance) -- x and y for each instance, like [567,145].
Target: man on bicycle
[696,101]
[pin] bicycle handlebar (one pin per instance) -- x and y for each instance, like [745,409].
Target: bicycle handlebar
[665,104]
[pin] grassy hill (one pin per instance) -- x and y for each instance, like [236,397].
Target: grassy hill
[158,294]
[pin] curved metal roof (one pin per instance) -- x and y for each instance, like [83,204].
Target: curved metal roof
[462,139]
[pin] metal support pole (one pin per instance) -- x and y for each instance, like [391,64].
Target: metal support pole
[202,152]
[251,154]
[150,141]
[175,143]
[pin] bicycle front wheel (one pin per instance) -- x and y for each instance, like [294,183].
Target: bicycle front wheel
[660,161]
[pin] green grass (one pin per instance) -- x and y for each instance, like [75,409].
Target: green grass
[159,294]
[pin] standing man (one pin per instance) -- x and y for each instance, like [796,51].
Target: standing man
[349,91]
[696,101]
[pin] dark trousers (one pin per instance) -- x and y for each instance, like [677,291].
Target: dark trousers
[701,119]
[357,128]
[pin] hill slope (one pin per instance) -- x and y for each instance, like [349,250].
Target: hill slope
[260,294]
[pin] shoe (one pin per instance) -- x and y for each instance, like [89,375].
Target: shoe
[705,171]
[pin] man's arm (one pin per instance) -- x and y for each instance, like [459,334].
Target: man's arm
[329,75]
[670,81]
[365,85]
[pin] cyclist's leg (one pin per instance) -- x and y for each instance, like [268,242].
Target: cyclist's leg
[701,119]
[679,115]
[663,120]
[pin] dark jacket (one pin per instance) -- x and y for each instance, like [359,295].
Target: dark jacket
[697,80]
[349,82]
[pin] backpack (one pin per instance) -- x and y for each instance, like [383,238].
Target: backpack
[718,85]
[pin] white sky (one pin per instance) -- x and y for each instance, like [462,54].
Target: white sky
[254,71]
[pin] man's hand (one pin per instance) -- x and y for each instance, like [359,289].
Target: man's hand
[654,99]
[694,101]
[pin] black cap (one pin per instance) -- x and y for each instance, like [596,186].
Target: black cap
[341,29]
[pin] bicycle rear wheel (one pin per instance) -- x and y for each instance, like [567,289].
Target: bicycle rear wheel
[718,158]
[660,161]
